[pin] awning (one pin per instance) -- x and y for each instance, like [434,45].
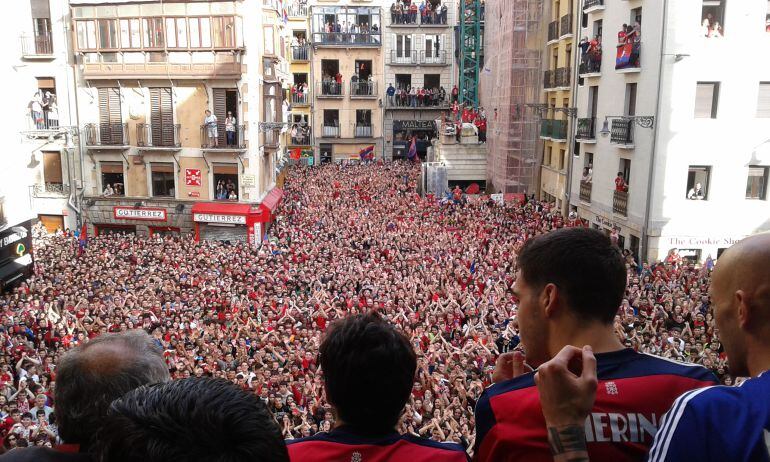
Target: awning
[11,271]
[273,198]
[221,208]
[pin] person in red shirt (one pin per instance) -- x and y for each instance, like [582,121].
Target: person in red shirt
[620,183]
[570,284]
[369,371]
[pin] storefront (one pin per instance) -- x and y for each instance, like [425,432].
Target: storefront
[126,219]
[692,248]
[403,130]
[15,254]
[628,233]
[229,222]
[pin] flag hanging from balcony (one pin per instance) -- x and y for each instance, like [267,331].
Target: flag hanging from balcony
[367,153]
[296,153]
[623,58]
[83,239]
[412,154]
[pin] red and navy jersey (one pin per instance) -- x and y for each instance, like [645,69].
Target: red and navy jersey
[341,444]
[635,391]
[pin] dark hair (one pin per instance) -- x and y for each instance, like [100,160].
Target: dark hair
[92,375]
[193,419]
[368,369]
[588,270]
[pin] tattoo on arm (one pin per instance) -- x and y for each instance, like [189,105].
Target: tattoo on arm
[568,443]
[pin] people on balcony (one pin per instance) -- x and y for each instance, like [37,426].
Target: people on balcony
[620,183]
[210,122]
[36,110]
[391,93]
[230,123]
[416,96]
[588,174]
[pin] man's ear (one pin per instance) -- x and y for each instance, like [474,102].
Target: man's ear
[549,297]
[745,314]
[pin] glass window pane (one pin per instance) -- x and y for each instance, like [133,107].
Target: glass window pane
[206,32]
[229,25]
[181,32]
[91,34]
[136,34]
[125,34]
[171,32]
[217,30]
[195,40]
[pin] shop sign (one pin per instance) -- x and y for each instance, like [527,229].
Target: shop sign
[600,220]
[414,125]
[139,213]
[220,218]
[249,181]
[679,241]
[15,241]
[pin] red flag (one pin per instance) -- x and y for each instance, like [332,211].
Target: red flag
[296,153]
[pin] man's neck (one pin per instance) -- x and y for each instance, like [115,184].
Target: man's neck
[601,337]
[758,358]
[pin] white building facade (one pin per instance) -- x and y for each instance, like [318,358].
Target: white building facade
[682,116]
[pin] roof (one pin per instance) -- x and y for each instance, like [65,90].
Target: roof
[272,199]
[226,208]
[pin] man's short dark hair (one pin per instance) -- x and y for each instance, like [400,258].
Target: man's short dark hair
[368,369]
[193,419]
[584,264]
[95,373]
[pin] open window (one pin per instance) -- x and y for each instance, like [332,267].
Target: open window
[713,18]
[756,184]
[113,183]
[162,179]
[698,179]
[226,182]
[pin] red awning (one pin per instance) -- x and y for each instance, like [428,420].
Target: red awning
[221,208]
[273,198]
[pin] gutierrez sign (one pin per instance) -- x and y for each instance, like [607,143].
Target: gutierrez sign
[220,218]
[133,213]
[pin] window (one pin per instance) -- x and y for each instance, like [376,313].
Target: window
[433,46]
[153,33]
[403,45]
[176,32]
[226,182]
[162,179]
[756,185]
[52,169]
[562,159]
[432,81]
[712,18]
[86,31]
[763,100]
[630,99]
[200,32]
[598,26]
[636,16]
[625,169]
[130,33]
[268,40]
[547,159]
[767,18]
[403,81]
[112,179]
[108,33]
[706,100]
[698,178]
[224,33]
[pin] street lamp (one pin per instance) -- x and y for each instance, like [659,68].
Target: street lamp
[642,121]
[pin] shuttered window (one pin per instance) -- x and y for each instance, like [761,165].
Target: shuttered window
[161,117]
[220,111]
[52,170]
[110,119]
[162,176]
[706,100]
[112,167]
[40,9]
[225,169]
[763,100]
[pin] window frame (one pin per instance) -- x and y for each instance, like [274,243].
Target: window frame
[762,196]
[706,187]
[714,99]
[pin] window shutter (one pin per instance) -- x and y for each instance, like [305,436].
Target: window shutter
[52,167]
[161,116]
[220,111]
[225,169]
[40,9]
[704,99]
[162,168]
[111,167]
[763,100]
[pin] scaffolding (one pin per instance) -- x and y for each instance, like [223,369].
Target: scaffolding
[510,84]
[471,50]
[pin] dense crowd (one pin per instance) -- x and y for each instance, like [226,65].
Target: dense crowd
[349,239]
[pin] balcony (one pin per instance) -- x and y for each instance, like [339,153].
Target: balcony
[622,132]
[553,31]
[545,128]
[162,137]
[549,80]
[363,131]
[42,121]
[299,140]
[592,5]
[106,135]
[562,77]
[36,46]
[271,139]
[412,20]
[628,57]
[566,26]
[331,131]
[297,11]
[403,57]
[330,90]
[591,65]
[406,104]
[585,191]
[555,130]
[363,89]
[55,190]
[300,99]
[586,129]
[346,39]
[433,58]
[160,65]
[223,140]
[620,202]
[300,54]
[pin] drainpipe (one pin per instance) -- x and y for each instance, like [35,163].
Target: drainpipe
[573,120]
[73,200]
[651,176]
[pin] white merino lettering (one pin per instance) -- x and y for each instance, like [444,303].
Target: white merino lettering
[631,427]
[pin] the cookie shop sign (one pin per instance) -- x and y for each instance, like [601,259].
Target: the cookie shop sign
[139,213]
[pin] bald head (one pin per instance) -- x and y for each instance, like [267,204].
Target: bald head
[740,293]
[95,373]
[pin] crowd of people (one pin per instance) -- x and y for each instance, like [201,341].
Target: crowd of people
[409,96]
[348,239]
[407,12]
[353,32]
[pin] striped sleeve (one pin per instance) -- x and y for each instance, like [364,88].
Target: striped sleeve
[680,437]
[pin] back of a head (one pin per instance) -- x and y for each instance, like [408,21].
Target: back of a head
[587,268]
[193,419]
[95,373]
[368,369]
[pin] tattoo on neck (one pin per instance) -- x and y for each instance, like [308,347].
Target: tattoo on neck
[568,443]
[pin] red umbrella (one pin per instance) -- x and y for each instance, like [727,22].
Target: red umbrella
[473,189]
